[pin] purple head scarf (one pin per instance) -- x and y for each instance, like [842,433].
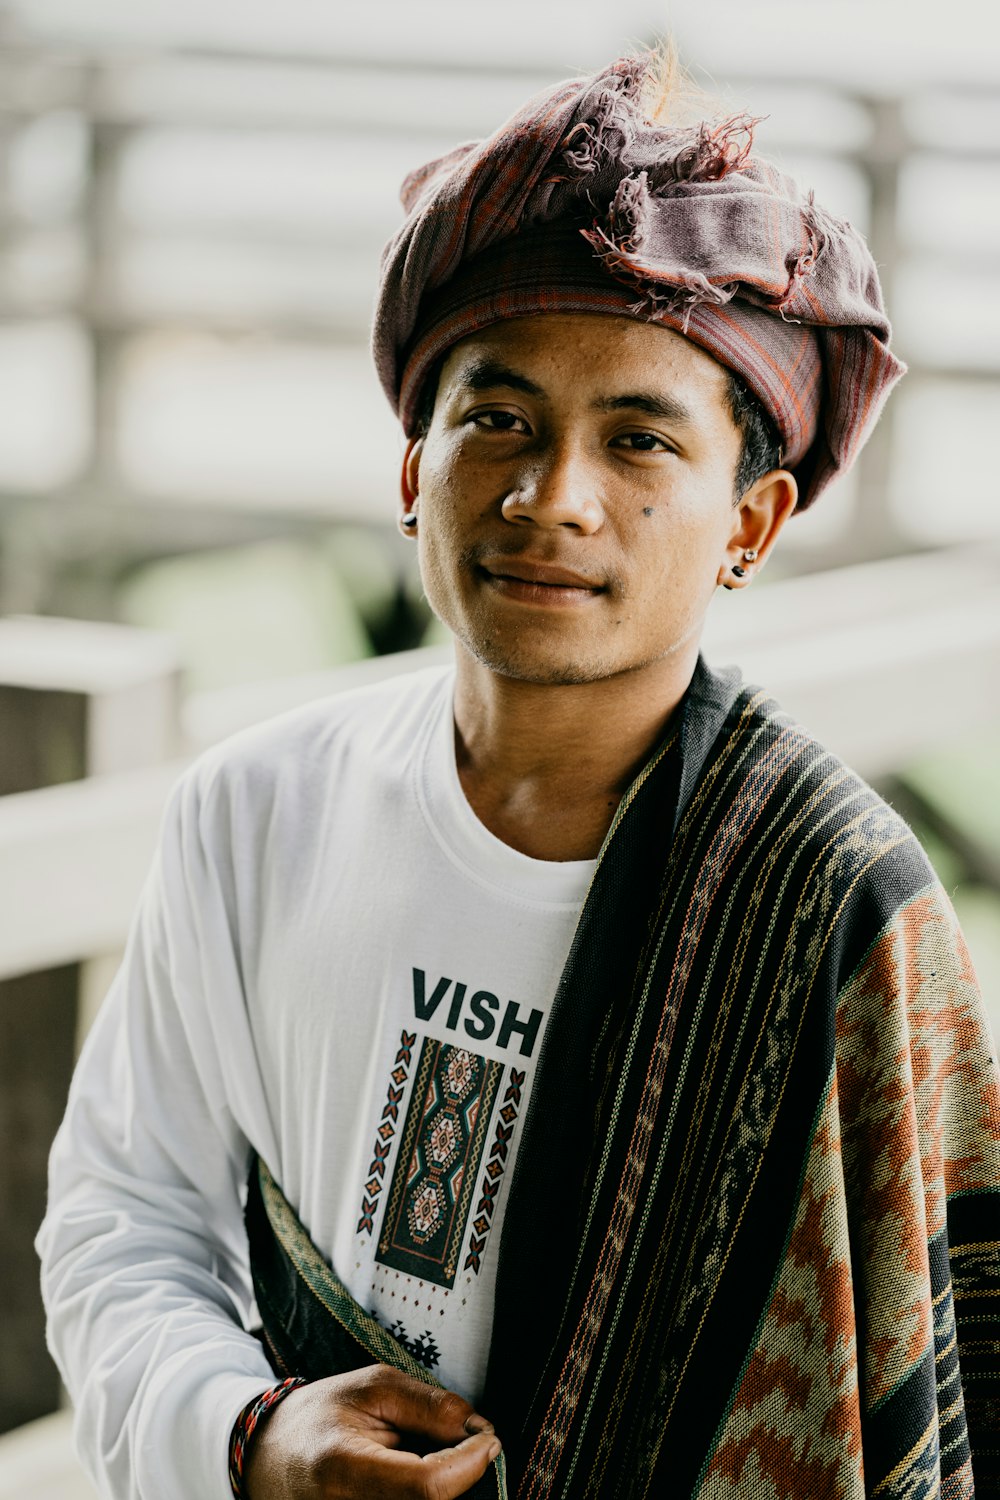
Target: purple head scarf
[579,203]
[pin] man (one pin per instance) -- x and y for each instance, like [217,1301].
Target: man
[598,1056]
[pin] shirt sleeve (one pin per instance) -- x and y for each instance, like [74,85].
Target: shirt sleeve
[144,1265]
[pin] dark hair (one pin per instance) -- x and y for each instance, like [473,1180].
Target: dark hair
[426,399]
[760,449]
[761,446]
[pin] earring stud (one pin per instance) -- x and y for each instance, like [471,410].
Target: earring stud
[750,555]
[409,520]
[740,572]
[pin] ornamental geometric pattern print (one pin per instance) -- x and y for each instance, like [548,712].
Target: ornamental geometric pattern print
[434,1178]
[385,1133]
[494,1171]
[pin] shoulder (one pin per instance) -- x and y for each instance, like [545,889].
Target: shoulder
[837,863]
[844,831]
[295,756]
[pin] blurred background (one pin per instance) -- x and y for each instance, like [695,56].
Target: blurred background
[198,469]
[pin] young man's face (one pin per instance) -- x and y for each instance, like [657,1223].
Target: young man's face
[575,495]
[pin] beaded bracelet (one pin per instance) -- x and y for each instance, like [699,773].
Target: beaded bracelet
[246,1424]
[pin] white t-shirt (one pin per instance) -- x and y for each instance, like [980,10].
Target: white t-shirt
[336,965]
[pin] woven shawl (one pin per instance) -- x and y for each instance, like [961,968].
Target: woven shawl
[769,1065]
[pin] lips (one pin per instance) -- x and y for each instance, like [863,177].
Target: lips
[548,575]
[537,583]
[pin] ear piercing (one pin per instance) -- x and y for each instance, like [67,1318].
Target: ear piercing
[409,521]
[749,555]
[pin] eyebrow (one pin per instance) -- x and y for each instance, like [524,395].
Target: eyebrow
[649,402]
[487,374]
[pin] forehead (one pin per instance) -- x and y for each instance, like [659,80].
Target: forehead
[591,353]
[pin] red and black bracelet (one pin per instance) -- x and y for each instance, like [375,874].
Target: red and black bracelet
[246,1424]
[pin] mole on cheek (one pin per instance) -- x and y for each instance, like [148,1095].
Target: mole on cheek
[647,510]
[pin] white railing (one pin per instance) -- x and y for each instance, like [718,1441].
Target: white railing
[38,1461]
[882,662]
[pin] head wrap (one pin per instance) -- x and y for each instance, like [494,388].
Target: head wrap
[579,203]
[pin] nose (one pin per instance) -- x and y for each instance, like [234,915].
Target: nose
[558,490]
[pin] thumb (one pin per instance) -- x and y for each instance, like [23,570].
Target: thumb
[411,1406]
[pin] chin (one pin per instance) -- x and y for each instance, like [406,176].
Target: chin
[523,664]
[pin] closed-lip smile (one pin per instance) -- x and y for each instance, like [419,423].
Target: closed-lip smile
[538,584]
[547,574]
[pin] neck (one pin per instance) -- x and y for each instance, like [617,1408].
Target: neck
[544,766]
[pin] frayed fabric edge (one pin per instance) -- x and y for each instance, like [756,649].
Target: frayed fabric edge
[683,295]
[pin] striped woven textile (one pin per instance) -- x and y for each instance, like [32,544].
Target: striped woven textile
[681,226]
[769,1064]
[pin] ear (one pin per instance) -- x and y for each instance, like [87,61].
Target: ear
[757,520]
[409,479]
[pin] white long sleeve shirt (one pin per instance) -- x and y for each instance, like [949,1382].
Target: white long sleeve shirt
[335,965]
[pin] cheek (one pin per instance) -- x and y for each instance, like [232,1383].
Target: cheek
[687,522]
[442,533]
[440,490]
[678,546]
[456,496]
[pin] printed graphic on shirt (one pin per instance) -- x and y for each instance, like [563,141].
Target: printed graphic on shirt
[385,1132]
[494,1171]
[423,1348]
[479,1014]
[434,1179]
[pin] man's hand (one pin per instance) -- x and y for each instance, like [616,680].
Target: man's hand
[375,1433]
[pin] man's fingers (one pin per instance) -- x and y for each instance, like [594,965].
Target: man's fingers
[442,1475]
[456,1470]
[355,1434]
[411,1406]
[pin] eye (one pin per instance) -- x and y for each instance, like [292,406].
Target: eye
[499,421]
[642,442]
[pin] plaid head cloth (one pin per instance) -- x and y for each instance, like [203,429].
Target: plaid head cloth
[579,203]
